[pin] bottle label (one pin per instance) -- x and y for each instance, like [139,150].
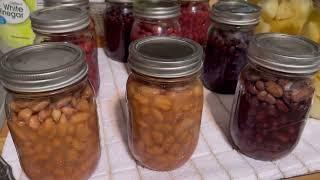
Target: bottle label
[13,11]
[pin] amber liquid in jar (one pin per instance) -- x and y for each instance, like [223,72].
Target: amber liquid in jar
[118,22]
[226,55]
[86,39]
[269,113]
[164,120]
[195,20]
[153,27]
[56,133]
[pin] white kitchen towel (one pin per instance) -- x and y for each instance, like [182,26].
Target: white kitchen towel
[214,157]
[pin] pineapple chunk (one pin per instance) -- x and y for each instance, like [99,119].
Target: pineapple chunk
[285,10]
[263,27]
[315,109]
[269,9]
[316,82]
[312,32]
[302,8]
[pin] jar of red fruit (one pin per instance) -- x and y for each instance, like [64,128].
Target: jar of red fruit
[195,20]
[77,3]
[51,111]
[68,24]
[165,100]
[155,18]
[228,39]
[118,22]
[274,95]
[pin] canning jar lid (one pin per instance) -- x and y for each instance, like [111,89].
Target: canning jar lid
[235,12]
[285,53]
[165,57]
[79,3]
[156,9]
[43,67]
[59,19]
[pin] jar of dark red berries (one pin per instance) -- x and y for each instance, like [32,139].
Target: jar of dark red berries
[118,22]
[155,18]
[228,39]
[195,20]
[274,95]
[68,24]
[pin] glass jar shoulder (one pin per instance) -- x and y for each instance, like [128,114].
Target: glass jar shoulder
[119,9]
[75,37]
[155,27]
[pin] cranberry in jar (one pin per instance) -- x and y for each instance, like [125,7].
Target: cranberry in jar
[155,18]
[68,24]
[274,95]
[118,21]
[165,100]
[228,39]
[195,20]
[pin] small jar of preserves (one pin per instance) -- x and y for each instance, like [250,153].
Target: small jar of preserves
[165,100]
[84,4]
[68,24]
[228,39]
[155,18]
[195,20]
[51,111]
[118,21]
[274,95]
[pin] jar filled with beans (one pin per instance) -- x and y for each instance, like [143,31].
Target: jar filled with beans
[51,111]
[165,100]
[118,21]
[195,20]
[228,39]
[274,95]
[155,18]
[68,24]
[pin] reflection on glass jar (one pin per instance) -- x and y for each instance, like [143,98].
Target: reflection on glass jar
[51,111]
[68,24]
[155,18]
[274,95]
[165,101]
[227,44]
[195,20]
[118,22]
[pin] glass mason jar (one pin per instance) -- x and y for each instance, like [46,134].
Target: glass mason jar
[51,111]
[118,21]
[156,18]
[68,24]
[228,39]
[84,4]
[195,20]
[274,95]
[165,101]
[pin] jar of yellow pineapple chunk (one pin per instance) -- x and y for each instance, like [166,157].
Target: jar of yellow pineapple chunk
[283,16]
[311,30]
